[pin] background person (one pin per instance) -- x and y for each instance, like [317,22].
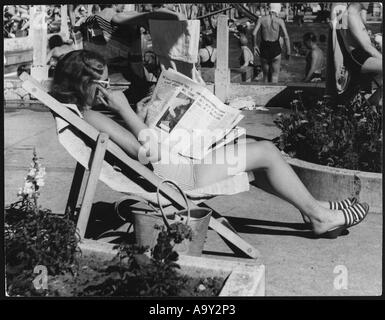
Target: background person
[270,48]
[314,59]
[207,54]
[57,48]
[365,58]
[247,56]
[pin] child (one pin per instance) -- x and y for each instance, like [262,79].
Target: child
[247,57]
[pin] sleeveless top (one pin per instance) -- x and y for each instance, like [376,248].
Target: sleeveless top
[208,63]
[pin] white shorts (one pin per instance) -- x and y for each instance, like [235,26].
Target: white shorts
[181,170]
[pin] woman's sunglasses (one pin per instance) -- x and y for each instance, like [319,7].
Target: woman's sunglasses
[104,83]
[107,83]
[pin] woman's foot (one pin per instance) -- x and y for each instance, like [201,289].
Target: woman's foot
[333,205]
[333,223]
[339,205]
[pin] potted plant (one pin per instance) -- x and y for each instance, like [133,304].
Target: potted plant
[335,149]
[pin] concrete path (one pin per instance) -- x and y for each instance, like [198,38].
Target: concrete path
[296,263]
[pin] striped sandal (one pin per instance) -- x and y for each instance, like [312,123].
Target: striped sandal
[353,216]
[335,205]
[343,204]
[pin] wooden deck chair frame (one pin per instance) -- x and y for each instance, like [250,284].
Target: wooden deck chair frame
[102,145]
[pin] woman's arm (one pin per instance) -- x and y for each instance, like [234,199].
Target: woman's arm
[358,30]
[245,58]
[117,101]
[286,37]
[314,58]
[255,33]
[121,136]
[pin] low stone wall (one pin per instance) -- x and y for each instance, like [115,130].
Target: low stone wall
[328,183]
[244,277]
[237,75]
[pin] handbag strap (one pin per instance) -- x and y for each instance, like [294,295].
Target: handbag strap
[133,198]
[160,206]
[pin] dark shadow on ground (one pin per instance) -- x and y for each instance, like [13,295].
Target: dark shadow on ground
[251,226]
[103,220]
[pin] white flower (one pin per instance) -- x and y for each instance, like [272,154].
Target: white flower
[20,192]
[40,174]
[29,189]
[32,172]
[40,182]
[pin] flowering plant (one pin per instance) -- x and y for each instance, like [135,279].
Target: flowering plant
[35,236]
[33,181]
[343,136]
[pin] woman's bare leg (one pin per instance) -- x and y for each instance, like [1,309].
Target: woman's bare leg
[275,68]
[286,184]
[374,66]
[265,69]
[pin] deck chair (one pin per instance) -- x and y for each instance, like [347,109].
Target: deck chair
[342,82]
[105,157]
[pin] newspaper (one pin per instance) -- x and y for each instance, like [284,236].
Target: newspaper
[189,118]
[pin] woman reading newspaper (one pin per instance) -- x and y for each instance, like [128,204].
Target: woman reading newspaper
[80,79]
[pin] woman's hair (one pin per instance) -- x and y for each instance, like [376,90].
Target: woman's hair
[103,6]
[207,40]
[309,36]
[73,75]
[55,41]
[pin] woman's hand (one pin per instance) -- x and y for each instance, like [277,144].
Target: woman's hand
[257,51]
[142,109]
[115,100]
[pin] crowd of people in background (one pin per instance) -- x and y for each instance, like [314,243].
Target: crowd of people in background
[16,17]
[264,56]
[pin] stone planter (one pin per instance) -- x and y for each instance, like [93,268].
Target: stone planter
[328,183]
[243,278]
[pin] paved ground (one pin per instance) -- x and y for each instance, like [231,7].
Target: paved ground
[296,263]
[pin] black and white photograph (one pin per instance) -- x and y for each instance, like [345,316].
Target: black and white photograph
[94,207]
[175,109]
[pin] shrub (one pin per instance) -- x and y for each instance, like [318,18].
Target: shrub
[343,136]
[132,273]
[34,236]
